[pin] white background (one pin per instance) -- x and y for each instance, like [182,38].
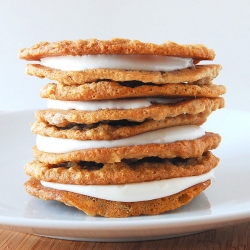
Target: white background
[221,25]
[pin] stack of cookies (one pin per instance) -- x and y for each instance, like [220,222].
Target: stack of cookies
[121,135]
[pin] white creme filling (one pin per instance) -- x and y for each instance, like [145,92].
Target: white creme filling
[109,104]
[134,192]
[124,62]
[166,135]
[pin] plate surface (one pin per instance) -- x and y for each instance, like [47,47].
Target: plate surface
[225,202]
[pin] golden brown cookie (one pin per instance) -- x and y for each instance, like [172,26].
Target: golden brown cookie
[183,149]
[114,46]
[200,74]
[148,169]
[127,164]
[113,90]
[63,118]
[115,130]
[94,206]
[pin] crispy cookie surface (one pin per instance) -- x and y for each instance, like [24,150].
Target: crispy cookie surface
[115,130]
[115,46]
[183,149]
[148,169]
[63,118]
[114,90]
[94,206]
[200,74]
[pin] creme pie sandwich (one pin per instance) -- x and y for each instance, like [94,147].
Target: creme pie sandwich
[122,134]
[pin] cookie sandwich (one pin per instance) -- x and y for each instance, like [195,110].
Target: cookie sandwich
[122,134]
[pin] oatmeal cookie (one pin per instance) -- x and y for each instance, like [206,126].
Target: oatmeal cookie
[157,112]
[183,149]
[114,46]
[200,74]
[147,169]
[113,90]
[115,130]
[94,206]
[195,98]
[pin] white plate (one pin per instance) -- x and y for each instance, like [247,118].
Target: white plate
[225,202]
